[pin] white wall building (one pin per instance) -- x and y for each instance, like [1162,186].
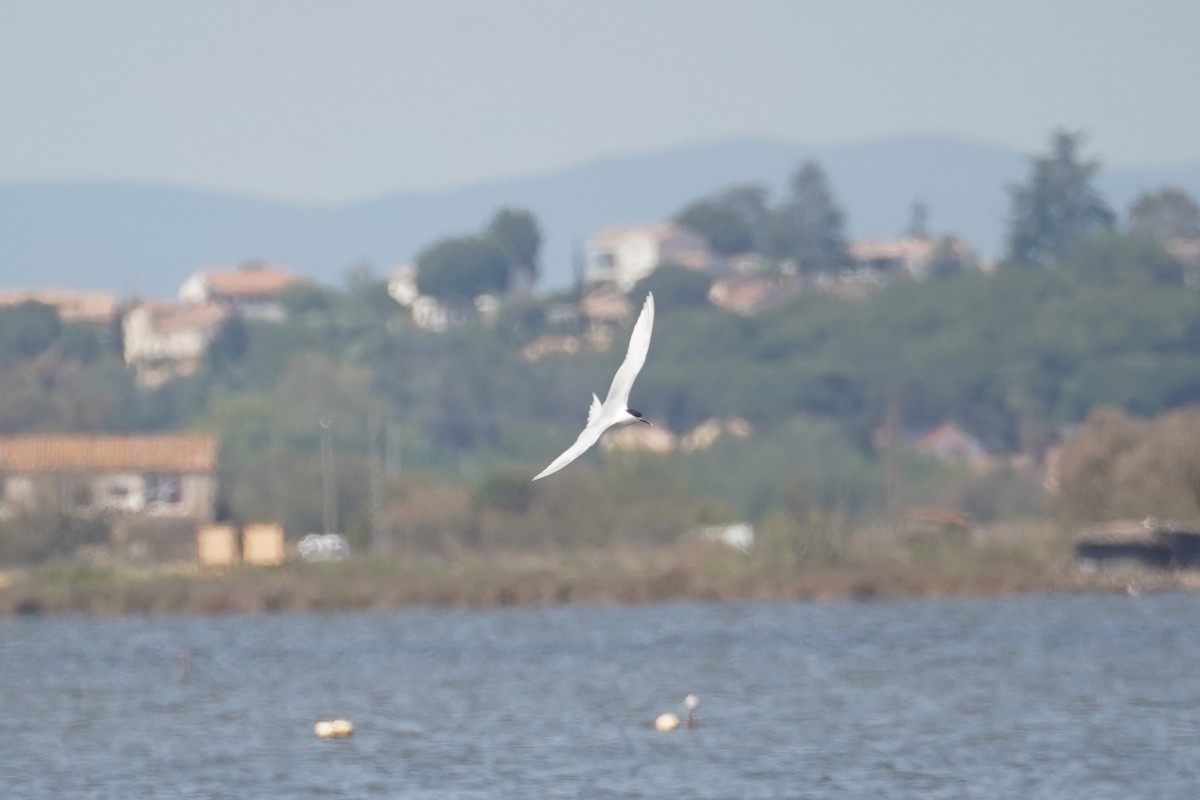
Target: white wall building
[253,290]
[166,340]
[626,254]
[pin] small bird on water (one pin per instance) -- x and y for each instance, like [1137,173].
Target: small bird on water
[615,408]
[691,703]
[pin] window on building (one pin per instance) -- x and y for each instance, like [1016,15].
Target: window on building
[164,490]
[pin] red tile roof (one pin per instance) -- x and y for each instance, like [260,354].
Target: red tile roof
[93,307]
[249,280]
[183,452]
[164,317]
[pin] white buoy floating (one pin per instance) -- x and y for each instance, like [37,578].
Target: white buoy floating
[333,728]
[666,722]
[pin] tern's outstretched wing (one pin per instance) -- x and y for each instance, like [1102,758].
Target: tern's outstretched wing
[635,357]
[594,410]
[589,436]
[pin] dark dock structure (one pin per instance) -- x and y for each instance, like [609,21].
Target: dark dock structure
[1149,544]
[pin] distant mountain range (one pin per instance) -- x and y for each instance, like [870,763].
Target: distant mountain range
[144,240]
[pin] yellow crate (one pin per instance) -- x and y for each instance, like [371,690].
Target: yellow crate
[217,545]
[263,544]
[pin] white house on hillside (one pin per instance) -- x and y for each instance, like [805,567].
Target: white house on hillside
[167,340]
[430,314]
[908,256]
[402,284]
[625,254]
[253,290]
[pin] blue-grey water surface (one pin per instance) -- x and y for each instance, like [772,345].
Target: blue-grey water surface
[1094,696]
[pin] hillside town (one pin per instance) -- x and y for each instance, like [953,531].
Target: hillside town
[155,483]
[161,488]
[163,339]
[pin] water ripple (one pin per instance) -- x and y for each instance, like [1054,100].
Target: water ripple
[1032,697]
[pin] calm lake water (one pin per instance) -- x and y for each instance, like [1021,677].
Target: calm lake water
[1093,696]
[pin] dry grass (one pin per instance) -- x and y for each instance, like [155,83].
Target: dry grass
[999,560]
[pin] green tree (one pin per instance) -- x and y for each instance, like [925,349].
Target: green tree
[946,261]
[518,234]
[674,287]
[727,231]
[808,228]
[749,201]
[27,329]
[1165,214]
[50,392]
[459,269]
[83,343]
[1114,258]
[306,298]
[1058,206]
[228,347]
[368,306]
[505,490]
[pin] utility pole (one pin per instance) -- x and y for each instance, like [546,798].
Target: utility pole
[577,268]
[327,478]
[891,467]
[375,460]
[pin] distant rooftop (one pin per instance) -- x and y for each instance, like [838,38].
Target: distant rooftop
[96,308]
[164,317]
[184,452]
[249,280]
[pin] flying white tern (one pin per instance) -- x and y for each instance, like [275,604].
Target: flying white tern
[615,409]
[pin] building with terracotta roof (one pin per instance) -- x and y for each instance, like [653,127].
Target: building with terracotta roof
[150,492]
[951,443]
[168,475]
[165,340]
[91,308]
[1186,250]
[749,294]
[252,290]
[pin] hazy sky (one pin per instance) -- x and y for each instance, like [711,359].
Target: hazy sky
[329,101]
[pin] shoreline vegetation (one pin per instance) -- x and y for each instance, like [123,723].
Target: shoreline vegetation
[1020,560]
